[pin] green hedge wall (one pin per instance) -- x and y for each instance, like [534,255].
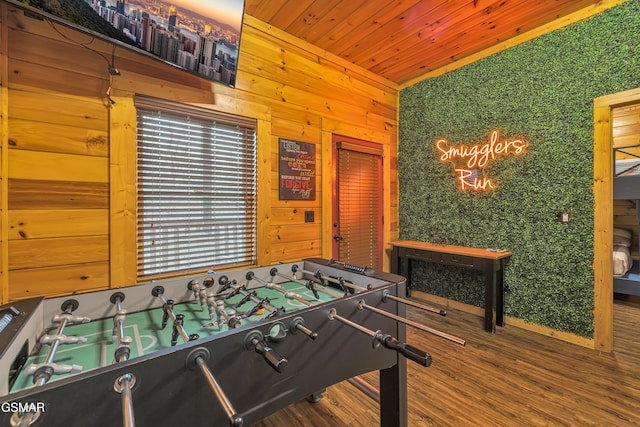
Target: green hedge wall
[543,91]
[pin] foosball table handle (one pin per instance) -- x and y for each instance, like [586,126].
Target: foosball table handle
[255,341]
[278,362]
[408,351]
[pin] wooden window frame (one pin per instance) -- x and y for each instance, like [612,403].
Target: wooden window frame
[194,242]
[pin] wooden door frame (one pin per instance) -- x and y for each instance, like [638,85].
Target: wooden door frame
[603,214]
[389,142]
[335,139]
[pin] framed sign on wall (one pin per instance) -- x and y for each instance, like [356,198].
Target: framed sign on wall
[297,170]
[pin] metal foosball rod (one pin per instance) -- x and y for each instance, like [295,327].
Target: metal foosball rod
[223,316]
[309,284]
[236,290]
[122,351]
[234,419]
[340,281]
[216,307]
[198,358]
[408,351]
[362,305]
[269,285]
[250,296]
[386,294]
[201,291]
[241,290]
[264,304]
[344,283]
[261,303]
[125,383]
[297,324]
[42,372]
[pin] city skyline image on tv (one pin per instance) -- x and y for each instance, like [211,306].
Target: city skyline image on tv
[200,36]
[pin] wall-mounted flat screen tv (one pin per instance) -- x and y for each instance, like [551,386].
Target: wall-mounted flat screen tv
[200,36]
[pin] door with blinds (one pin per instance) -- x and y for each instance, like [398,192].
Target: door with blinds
[357,213]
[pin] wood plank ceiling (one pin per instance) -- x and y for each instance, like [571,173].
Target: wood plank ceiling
[404,39]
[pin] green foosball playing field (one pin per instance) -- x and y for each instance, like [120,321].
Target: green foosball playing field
[147,336]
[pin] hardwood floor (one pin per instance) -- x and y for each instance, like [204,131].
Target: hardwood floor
[511,378]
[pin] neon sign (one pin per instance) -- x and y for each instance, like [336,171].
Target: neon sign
[476,157]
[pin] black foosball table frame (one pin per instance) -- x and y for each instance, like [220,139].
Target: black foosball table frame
[226,378]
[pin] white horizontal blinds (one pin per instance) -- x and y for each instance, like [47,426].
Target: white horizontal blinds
[359,205]
[196,189]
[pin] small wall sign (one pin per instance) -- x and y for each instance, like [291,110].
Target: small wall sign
[297,170]
[470,160]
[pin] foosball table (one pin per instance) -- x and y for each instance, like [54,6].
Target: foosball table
[217,349]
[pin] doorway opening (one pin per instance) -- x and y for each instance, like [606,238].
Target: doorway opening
[603,177]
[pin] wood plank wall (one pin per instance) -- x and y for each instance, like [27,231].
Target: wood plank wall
[70,179]
[626,132]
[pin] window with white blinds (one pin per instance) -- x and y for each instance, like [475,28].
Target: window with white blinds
[196,177]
